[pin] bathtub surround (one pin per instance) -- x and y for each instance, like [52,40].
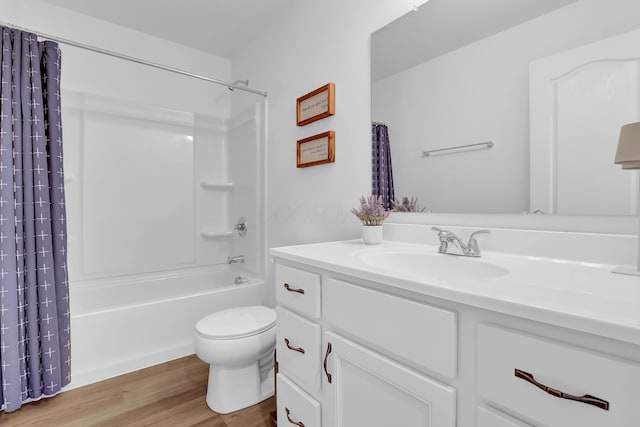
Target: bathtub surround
[156,256]
[167,228]
[34,292]
[147,319]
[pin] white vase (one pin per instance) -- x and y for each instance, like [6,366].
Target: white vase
[372,234]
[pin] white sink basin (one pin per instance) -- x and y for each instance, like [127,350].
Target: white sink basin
[431,265]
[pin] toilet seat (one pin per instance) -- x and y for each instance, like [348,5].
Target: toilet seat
[238,322]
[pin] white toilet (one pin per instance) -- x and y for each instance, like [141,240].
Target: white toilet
[238,343]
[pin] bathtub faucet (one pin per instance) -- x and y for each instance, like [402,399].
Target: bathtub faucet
[235,259]
[240,280]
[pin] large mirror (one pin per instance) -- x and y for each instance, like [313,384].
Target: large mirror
[547,82]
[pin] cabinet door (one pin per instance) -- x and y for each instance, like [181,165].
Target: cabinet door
[295,407]
[489,417]
[368,389]
[298,344]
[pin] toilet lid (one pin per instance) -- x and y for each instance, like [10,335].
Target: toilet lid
[236,322]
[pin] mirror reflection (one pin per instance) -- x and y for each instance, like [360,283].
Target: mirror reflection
[547,83]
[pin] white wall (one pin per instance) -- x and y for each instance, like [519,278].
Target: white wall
[479,93]
[311,44]
[82,70]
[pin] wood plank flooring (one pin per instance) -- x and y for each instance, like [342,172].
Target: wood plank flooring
[171,394]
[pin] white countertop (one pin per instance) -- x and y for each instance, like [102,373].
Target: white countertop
[577,295]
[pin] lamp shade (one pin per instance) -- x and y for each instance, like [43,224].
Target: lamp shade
[628,153]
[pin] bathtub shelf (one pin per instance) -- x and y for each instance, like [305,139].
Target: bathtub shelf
[215,234]
[220,186]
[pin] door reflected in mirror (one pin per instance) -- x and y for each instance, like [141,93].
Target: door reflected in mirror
[549,83]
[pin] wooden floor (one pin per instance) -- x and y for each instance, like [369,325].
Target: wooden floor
[171,394]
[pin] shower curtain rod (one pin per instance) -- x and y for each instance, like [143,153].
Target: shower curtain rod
[133,59]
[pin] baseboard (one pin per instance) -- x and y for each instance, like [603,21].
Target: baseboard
[125,366]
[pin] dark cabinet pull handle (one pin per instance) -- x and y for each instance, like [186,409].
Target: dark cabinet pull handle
[587,398]
[326,356]
[290,289]
[297,423]
[298,349]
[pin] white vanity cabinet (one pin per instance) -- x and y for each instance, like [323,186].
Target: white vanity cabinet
[389,323]
[368,389]
[370,384]
[357,375]
[295,406]
[364,349]
[555,384]
[298,346]
[490,417]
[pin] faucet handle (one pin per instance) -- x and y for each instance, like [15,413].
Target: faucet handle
[443,235]
[479,233]
[441,232]
[474,250]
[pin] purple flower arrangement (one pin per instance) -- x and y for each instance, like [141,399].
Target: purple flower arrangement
[372,211]
[407,205]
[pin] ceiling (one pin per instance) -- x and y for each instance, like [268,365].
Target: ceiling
[441,26]
[220,27]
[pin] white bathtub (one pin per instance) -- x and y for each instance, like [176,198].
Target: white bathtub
[121,325]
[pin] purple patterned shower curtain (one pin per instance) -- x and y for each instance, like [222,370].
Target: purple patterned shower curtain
[34,293]
[382,173]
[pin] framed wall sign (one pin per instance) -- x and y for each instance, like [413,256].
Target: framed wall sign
[316,105]
[316,150]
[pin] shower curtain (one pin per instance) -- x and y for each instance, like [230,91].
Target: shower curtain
[382,173]
[34,294]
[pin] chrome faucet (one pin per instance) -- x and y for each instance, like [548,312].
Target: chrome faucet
[241,226]
[470,249]
[235,259]
[240,280]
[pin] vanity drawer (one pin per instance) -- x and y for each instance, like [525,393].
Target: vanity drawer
[562,367]
[298,342]
[298,290]
[489,417]
[296,406]
[419,333]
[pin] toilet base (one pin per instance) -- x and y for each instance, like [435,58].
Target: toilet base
[233,388]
